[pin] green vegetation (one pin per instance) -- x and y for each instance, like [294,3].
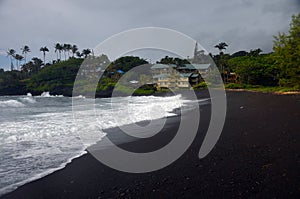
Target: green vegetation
[255,70]
[278,71]
[57,78]
[143,90]
[11,83]
[171,60]
[287,55]
[126,63]
[201,85]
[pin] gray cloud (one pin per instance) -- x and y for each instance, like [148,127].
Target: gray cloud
[243,24]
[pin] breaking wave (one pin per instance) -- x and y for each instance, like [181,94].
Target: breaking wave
[11,103]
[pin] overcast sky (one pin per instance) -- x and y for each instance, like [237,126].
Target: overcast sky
[243,24]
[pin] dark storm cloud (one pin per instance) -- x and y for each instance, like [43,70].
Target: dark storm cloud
[243,24]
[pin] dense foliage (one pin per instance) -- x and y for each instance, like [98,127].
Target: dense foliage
[252,69]
[281,68]
[255,70]
[287,54]
[57,78]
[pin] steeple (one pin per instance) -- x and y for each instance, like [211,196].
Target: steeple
[196,50]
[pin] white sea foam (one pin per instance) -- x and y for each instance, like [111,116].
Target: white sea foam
[28,100]
[14,186]
[47,94]
[79,96]
[11,103]
[46,139]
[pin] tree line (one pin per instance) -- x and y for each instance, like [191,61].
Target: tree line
[35,62]
[278,68]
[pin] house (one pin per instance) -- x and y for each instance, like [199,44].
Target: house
[162,68]
[162,75]
[172,76]
[162,81]
[183,80]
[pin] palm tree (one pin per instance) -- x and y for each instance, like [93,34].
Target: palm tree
[64,48]
[67,48]
[11,53]
[74,49]
[44,50]
[18,59]
[221,46]
[25,50]
[37,61]
[78,54]
[58,48]
[86,52]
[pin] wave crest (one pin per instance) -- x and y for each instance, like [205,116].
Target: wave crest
[11,103]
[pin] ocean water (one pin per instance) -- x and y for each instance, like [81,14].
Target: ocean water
[39,135]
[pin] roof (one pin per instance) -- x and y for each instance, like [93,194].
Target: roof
[162,66]
[185,74]
[195,66]
[172,65]
[159,66]
[160,76]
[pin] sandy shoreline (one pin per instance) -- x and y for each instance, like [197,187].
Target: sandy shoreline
[258,155]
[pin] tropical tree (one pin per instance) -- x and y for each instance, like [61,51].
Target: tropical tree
[255,52]
[78,54]
[58,49]
[11,54]
[18,59]
[74,49]
[44,50]
[32,66]
[27,67]
[170,60]
[222,60]
[240,53]
[86,52]
[286,52]
[221,46]
[25,50]
[66,49]
[38,62]
[255,70]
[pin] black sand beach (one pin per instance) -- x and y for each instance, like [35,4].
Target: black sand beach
[257,156]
